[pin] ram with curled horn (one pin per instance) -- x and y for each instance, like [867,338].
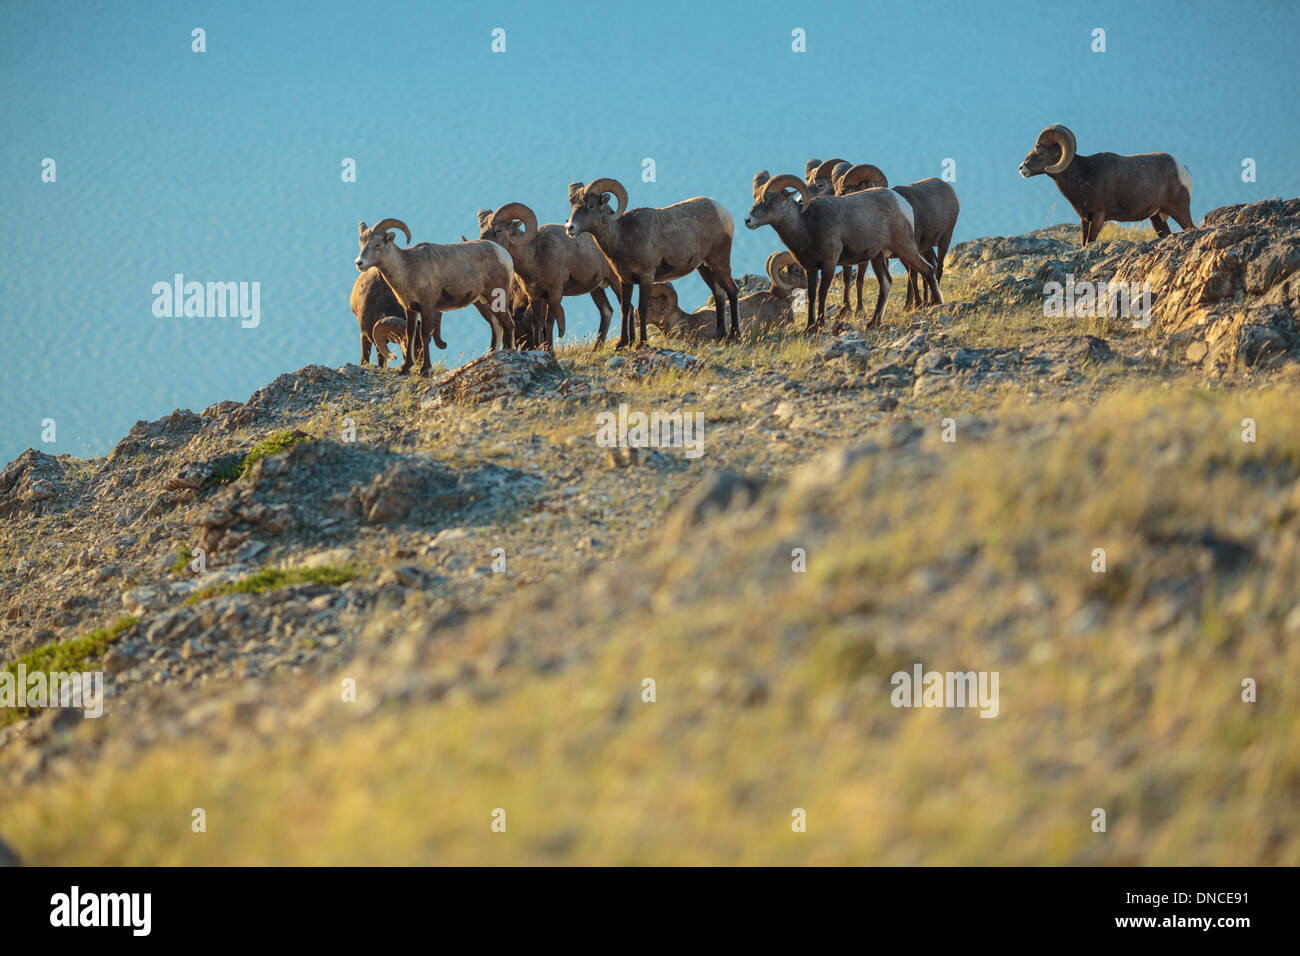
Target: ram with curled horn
[935,209]
[649,245]
[762,311]
[830,231]
[429,279]
[551,264]
[1109,187]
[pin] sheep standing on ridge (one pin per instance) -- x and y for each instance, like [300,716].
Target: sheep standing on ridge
[372,301]
[829,231]
[429,279]
[819,177]
[647,245]
[551,266]
[1108,186]
[934,212]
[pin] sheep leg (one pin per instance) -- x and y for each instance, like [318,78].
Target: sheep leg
[434,321]
[408,350]
[554,321]
[828,276]
[646,288]
[846,280]
[733,297]
[914,260]
[606,313]
[862,274]
[365,351]
[498,335]
[427,330]
[711,281]
[913,299]
[1161,227]
[625,300]
[941,253]
[812,299]
[880,266]
[1093,227]
[928,255]
[539,308]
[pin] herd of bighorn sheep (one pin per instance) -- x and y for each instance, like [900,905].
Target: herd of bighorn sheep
[838,215]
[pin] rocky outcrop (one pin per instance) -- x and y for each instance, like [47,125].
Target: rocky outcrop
[29,480]
[497,375]
[1224,294]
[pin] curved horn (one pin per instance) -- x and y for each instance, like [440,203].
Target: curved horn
[663,318]
[665,290]
[1062,137]
[861,176]
[778,268]
[386,224]
[611,186]
[824,170]
[808,168]
[517,210]
[785,181]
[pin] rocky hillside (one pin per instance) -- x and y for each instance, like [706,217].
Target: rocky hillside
[353,616]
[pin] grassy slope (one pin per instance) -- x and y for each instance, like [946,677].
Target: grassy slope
[1118,690]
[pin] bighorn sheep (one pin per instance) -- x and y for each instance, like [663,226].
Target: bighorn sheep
[1107,186]
[759,311]
[551,265]
[646,245]
[429,279]
[390,330]
[820,179]
[934,212]
[830,231]
[371,302]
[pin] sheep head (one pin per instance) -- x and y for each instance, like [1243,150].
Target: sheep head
[855,178]
[819,180]
[785,272]
[771,201]
[1052,153]
[663,307]
[499,226]
[591,209]
[376,241]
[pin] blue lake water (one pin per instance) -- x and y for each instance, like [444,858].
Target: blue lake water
[226,165]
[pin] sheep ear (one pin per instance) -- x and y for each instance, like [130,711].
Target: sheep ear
[388,237]
[484,217]
[575,193]
[361,229]
[760,178]
[462,238]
